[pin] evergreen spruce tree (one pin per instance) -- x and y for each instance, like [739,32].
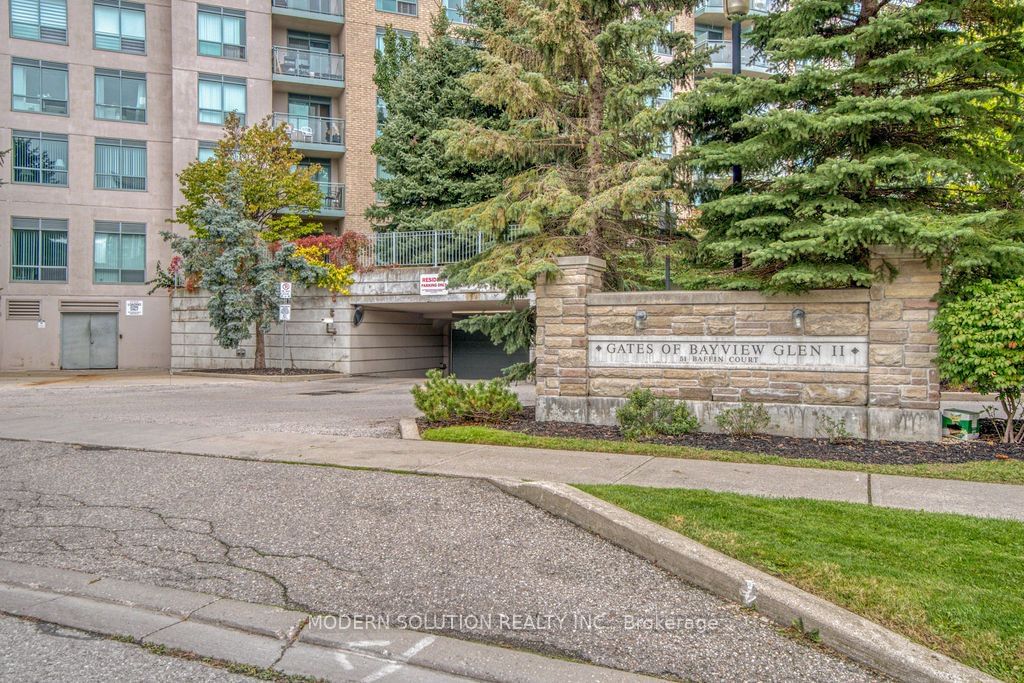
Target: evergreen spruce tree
[894,122]
[421,88]
[576,81]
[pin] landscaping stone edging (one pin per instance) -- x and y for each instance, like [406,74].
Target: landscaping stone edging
[854,636]
[410,431]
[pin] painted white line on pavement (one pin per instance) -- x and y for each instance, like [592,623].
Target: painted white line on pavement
[404,657]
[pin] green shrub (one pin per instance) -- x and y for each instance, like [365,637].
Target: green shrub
[445,398]
[833,429]
[981,345]
[744,420]
[644,416]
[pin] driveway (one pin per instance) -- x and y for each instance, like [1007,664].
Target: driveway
[349,406]
[451,555]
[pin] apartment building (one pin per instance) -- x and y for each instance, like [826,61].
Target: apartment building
[106,101]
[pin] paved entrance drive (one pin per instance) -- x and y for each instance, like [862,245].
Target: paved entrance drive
[354,406]
[438,554]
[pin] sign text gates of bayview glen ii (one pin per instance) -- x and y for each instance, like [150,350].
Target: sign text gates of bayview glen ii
[755,353]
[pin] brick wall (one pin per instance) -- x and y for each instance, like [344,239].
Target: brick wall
[893,394]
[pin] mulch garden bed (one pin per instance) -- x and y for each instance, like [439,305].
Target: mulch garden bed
[267,371]
[855,450]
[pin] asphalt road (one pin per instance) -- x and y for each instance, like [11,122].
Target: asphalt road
[451,554]
[34,651]
[351,406]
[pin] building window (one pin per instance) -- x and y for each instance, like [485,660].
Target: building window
[398,7]
[382,114]
[704,33]
[40,158]
[45,20]
[39,250]
[120,164]
[119,252]
[402,35]
[382,174]
[456,11]
[219,95]
[39,86]
[221,32]
[662,49]
[207,150]
[119,26]
[120,95]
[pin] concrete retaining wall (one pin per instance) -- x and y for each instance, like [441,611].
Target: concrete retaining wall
[891,392]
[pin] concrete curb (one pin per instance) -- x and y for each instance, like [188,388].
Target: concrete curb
[842,630]
[261,378]
[410,430]
[272,638]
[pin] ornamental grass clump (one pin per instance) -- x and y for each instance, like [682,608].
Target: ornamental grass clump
[645,416]
[443,398]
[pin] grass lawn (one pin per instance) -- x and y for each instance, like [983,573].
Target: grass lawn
[999,471]
[953,583]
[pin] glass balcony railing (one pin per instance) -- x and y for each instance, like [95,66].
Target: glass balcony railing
[334,8]
[333,196]
[719,7]
[721,56]
[318,130]
[321,66]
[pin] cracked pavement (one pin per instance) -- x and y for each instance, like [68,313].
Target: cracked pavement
[377,544]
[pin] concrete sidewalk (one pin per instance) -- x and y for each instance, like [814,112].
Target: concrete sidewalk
[270,638]
[425,457]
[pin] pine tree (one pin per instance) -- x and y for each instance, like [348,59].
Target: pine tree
[892,123]
[421,88]
[238,267]
[576,81]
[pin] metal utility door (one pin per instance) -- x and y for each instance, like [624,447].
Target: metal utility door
[474,356]
[88,341]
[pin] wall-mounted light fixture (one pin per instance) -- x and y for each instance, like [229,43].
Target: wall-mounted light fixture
[357,316]
[640,319]
[329,321]
[798,318]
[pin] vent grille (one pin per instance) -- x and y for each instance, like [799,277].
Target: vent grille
[23,309]
[90,307]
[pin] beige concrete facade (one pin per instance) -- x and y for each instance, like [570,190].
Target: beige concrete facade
[172,133]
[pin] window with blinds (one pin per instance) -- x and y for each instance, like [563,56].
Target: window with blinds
[398,7]
[45,20]
[119,252]
[120,95]
[38,86]
[219,95]
[39,250]
[119,26]
[120,164]
[40,158]
[221,32]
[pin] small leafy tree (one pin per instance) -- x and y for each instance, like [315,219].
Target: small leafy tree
[271,181]
[234,262]
[981,345]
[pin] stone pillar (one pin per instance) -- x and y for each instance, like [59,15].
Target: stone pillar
[562,338]
[903,382]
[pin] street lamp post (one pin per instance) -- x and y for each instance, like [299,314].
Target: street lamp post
[737,9]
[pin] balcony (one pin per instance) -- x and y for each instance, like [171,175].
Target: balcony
[319,135]
[721,59]
[309,15]
[306,71]
[713,11]
[331,206]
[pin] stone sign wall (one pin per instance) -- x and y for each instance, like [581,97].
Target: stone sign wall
[859,355]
